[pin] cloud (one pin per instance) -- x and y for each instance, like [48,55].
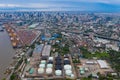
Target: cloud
[58,5]
[10,5]
[47,5]
[38,5]
[103,1]
[52,3]
[57,1]
[87,1]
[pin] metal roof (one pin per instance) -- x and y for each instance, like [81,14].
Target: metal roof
[46,50]
[38,49]
[102,64]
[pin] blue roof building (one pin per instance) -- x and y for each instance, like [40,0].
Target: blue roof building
[38,49]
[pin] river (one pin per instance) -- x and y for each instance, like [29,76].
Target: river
[6,53]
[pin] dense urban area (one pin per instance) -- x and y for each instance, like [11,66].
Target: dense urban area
[63,45]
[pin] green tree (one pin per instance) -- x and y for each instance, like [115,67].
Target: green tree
[12,77]
[4,79]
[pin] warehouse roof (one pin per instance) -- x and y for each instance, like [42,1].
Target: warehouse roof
[33,25]
[46,50]
[102,64]
[38,49]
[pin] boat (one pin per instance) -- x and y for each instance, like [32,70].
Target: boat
[1,29]
[14,44]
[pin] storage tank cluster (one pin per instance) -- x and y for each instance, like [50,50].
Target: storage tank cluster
[41,68]
[82,70]
[49,66]
[45,66]
[68,67]
[58,66]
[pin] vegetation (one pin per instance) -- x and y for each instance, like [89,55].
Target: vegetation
[76,61]
[12,77]
[65,49]
[68,79]
[114,59]
[85,78]
[32,46]
[103,77]
[38,43]
[4,79]
[55,46]
[85,52]
[99,55]
[60,49]
[60,35]
[20,61]
[89,30]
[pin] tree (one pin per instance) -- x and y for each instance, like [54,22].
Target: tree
[12,77]
[85,78]
[4,79]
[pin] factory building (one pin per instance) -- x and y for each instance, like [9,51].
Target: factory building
[46,50]
[102,64]
[38,50]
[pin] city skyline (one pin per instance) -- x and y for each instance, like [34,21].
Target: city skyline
[61,5]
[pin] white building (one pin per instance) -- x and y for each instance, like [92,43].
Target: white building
[102,64]
[46,50]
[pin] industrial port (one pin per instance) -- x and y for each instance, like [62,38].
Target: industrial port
[17,38]
[13,36]
[63,46]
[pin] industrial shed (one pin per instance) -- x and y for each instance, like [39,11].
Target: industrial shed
[102,64]
[46,50]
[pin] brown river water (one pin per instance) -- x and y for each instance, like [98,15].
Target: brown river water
[6,52]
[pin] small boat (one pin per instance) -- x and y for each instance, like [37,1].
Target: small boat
[1,29]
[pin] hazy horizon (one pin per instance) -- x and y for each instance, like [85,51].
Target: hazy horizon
[62,5]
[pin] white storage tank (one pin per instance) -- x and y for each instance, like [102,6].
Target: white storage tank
[72,75]
[58,72]
[49,65]
[67,67]
[66,58]
[48,70]
[86,69]
[43,61]
[50,58]
[40,70]
[42,66]
[68,72]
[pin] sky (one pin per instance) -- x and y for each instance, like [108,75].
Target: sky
[81,5]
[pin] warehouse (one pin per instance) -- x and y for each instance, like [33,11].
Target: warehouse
[102,64]
[38,49]
[46,50]
[33,26]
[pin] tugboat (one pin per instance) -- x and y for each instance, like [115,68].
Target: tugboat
[14,44]
[1,29]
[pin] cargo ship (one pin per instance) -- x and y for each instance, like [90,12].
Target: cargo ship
[15,41]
